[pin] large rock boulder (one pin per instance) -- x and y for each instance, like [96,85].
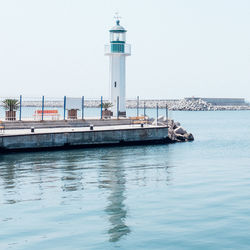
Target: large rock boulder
[190,137]
[160,121]
[171,124]
[176,125]
[180,131]
[180,137]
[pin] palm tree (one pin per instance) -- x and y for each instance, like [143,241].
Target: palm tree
[11,104]
[106,112]
[106,105]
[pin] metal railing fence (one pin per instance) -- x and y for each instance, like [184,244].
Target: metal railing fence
[44,108]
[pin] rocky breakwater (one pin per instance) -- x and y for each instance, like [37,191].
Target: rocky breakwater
[185,105]
[201,105]
[176,133]
[194,105]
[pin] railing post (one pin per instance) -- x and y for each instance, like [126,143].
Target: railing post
[101,107]
[42,106]
[144,110]
[137,106]
[157,114]
[118,107]
[166,112]
[82,107]
[64,108]
[20,104]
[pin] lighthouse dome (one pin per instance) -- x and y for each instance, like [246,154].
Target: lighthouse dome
[118,27]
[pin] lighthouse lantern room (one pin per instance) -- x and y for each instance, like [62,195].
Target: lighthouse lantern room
[117,50]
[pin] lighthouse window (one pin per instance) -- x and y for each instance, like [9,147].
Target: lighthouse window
[116,37]
[115,84]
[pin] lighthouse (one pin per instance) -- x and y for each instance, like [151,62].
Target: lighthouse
[117,50]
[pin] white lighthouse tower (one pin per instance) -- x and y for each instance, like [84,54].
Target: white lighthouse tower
[117,50]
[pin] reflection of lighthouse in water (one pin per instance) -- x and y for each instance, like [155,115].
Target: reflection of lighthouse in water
[113,179]
[117,51]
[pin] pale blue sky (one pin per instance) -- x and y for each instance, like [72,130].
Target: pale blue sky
[179,48]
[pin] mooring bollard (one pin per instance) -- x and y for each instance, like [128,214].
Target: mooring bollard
[32,129]
[142,125]
[91,127]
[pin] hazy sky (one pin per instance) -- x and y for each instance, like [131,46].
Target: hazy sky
[179,48]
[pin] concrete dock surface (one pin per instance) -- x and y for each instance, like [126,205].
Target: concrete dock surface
[14,132]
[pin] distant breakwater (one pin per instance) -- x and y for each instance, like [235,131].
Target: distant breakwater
[177,104]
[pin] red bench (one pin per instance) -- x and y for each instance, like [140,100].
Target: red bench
[54,114]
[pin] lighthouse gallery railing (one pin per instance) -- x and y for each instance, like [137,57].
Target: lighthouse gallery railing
[118,48]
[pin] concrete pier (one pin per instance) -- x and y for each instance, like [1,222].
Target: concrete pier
[64,123]
[77,137]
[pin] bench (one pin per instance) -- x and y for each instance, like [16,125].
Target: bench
[2,127]
[139,120]
[54,114]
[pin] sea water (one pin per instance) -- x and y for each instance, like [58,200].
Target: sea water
[193,195]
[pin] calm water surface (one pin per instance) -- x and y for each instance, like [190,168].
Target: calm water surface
[182,196]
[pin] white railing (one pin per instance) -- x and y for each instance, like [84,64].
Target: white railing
[108,49]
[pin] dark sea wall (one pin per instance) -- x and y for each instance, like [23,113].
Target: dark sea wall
[90,138]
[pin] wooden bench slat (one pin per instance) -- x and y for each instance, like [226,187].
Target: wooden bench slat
[2,127]
[140,122]
[137,118]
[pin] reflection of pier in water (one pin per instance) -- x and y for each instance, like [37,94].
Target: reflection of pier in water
[72,177]
[114,180]
[7,176]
